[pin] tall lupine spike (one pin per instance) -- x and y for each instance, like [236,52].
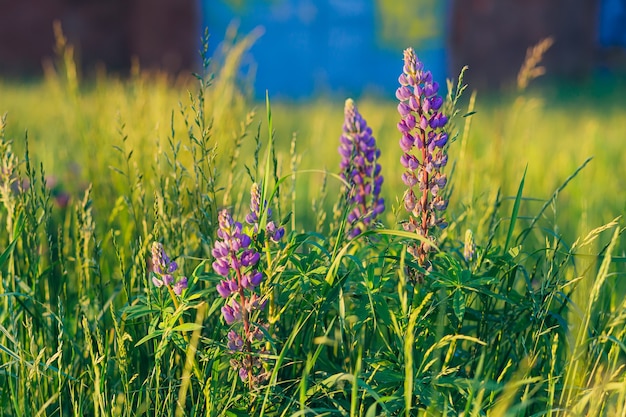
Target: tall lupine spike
[272,231]
[469,248]
[424,143]
[163,269]
[236,259]
[360,169]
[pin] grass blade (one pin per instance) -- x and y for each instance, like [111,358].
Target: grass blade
[518,200]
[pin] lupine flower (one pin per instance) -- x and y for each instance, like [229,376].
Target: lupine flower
[180,285]
[424,143]
[236,260]
[163,269]
[272,231]
[360,169]
[469,249]
[234,254]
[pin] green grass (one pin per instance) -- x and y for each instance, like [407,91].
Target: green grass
[534,325]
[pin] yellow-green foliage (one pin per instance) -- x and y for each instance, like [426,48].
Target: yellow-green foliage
[76,134]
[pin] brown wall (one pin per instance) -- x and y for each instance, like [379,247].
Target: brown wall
[162,34]
[491,36]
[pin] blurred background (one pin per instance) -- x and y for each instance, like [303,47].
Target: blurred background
[307,47]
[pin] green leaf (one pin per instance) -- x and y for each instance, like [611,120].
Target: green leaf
[138,311]
[187,327]
[17,230]
[458,303]
[466,276]
[149,336]
[513,252]
[518,200]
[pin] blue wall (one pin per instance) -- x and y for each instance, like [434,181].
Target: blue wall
[612,27]
[343,47]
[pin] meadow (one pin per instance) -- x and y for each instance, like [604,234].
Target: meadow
[118,296]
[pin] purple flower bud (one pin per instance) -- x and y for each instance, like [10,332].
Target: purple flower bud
[278,234]
[413,103]
[402,127]
[406,142]
[354,232]
[251,279]
[235,243]
[223,289]
[409,200]
[404,109]
[441,180]
[436,103]
[221,266]
[167,279]
[441,139]
[403,93]
[410,121]
[250,257]
[225,222]
[438,121]
[257,334]
[275,233]
[180,285]
[409,179]
[235,343]
[157,282]
[439,203]
[232,312]
[228,313]
[244,240]
[255,303]
[380,206]
[430,90]
[251,218]
[220,249]
[409,161]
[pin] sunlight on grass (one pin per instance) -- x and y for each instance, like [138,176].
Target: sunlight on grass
[524,316]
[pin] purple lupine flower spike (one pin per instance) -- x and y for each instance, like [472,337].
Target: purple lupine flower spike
[272,231]
[163,269]
[236,260]
[360,169]
[424,143]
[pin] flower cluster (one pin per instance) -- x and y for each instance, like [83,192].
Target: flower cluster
[274,232]
[163,269]
[236,260]
[424,145]
[359,168]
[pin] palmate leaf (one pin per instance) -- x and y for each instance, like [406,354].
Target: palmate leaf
[458,304]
